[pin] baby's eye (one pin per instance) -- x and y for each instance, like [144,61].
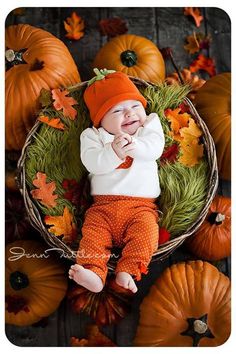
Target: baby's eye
[136,105]
[117,110]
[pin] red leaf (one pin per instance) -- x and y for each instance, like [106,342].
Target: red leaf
[203,63]
[164,235]
[170,154]
[195,13]
[64,102]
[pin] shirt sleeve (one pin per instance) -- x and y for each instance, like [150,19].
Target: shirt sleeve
[95,156]
[150,143]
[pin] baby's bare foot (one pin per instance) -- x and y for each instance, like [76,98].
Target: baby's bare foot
[86,277]
[126,281]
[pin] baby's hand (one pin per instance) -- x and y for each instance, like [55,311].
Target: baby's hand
[122,145]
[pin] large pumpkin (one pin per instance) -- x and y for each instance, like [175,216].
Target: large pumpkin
[35,283]
[213,102]
[212,241]
[189,305]
[133,55]
[35,59]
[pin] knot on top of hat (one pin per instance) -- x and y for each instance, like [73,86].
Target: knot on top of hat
[100,75]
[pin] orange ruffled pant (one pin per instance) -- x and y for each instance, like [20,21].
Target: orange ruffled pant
[126,222]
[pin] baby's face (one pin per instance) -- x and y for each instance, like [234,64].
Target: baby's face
[125,117]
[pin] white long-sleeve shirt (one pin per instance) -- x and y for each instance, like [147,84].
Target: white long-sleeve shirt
[141,178]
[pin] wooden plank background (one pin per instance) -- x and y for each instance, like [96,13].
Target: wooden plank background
[167,27]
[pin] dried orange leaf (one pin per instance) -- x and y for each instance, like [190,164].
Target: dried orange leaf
[74,27]
[64,102]
[191,154]
[177,120]
[195,13]
[62,225]
[53,122]
[45,190]
[203,63]
[191,132]
[192,45]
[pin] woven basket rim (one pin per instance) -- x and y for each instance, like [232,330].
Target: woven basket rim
[165,249]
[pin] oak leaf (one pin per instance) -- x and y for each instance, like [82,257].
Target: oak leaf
[170,154]
[192,45]
[53,122]
[177,120]
[191,132]
[45,98]
[64,102]
[203,63]
[191,153]
[45,190]
[62,225]
[74,27]
[195,13]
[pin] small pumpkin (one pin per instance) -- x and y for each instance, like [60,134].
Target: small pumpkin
[213,102]
[35,283]
[107,307]
[35,59]
[133,55]
[212,241]
[188,305]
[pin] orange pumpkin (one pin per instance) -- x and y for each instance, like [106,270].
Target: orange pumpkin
[188,305]
[213,102]
[35,59]
[133,55]
[35,283]
[212,241]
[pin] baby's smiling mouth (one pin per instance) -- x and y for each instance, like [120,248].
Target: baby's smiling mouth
[129,123]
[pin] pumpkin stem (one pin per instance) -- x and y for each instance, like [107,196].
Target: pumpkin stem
[14,58]
[128,58]
[216,218]
[199,326]
[197,329]
[18,280]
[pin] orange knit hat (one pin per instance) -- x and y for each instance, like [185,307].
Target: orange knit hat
[107,89]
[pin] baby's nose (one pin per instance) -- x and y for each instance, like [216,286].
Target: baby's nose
[129,112]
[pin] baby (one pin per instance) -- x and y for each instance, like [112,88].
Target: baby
[120,153]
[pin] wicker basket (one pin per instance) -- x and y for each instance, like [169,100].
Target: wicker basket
[165,249]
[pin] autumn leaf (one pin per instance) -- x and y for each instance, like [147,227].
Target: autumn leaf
[45,190]
[203,63]
[170,154]
[164,235]
[112,27]
[191,154]
[192,45]
[62,225]
[177,120]
[197,41]
[64,102]
[53,122]
[95,338]
[195,13]
[190,133]
[74,27]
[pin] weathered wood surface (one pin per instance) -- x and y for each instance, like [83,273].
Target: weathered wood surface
[167,27]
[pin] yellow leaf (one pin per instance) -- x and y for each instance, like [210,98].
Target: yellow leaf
[191,132]
[62,225]
[191,153]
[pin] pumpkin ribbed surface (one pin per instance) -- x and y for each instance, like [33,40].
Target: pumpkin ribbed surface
[35,283]
[213,102]
[191,293]
[212,241]
[44,62]
[133,55]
